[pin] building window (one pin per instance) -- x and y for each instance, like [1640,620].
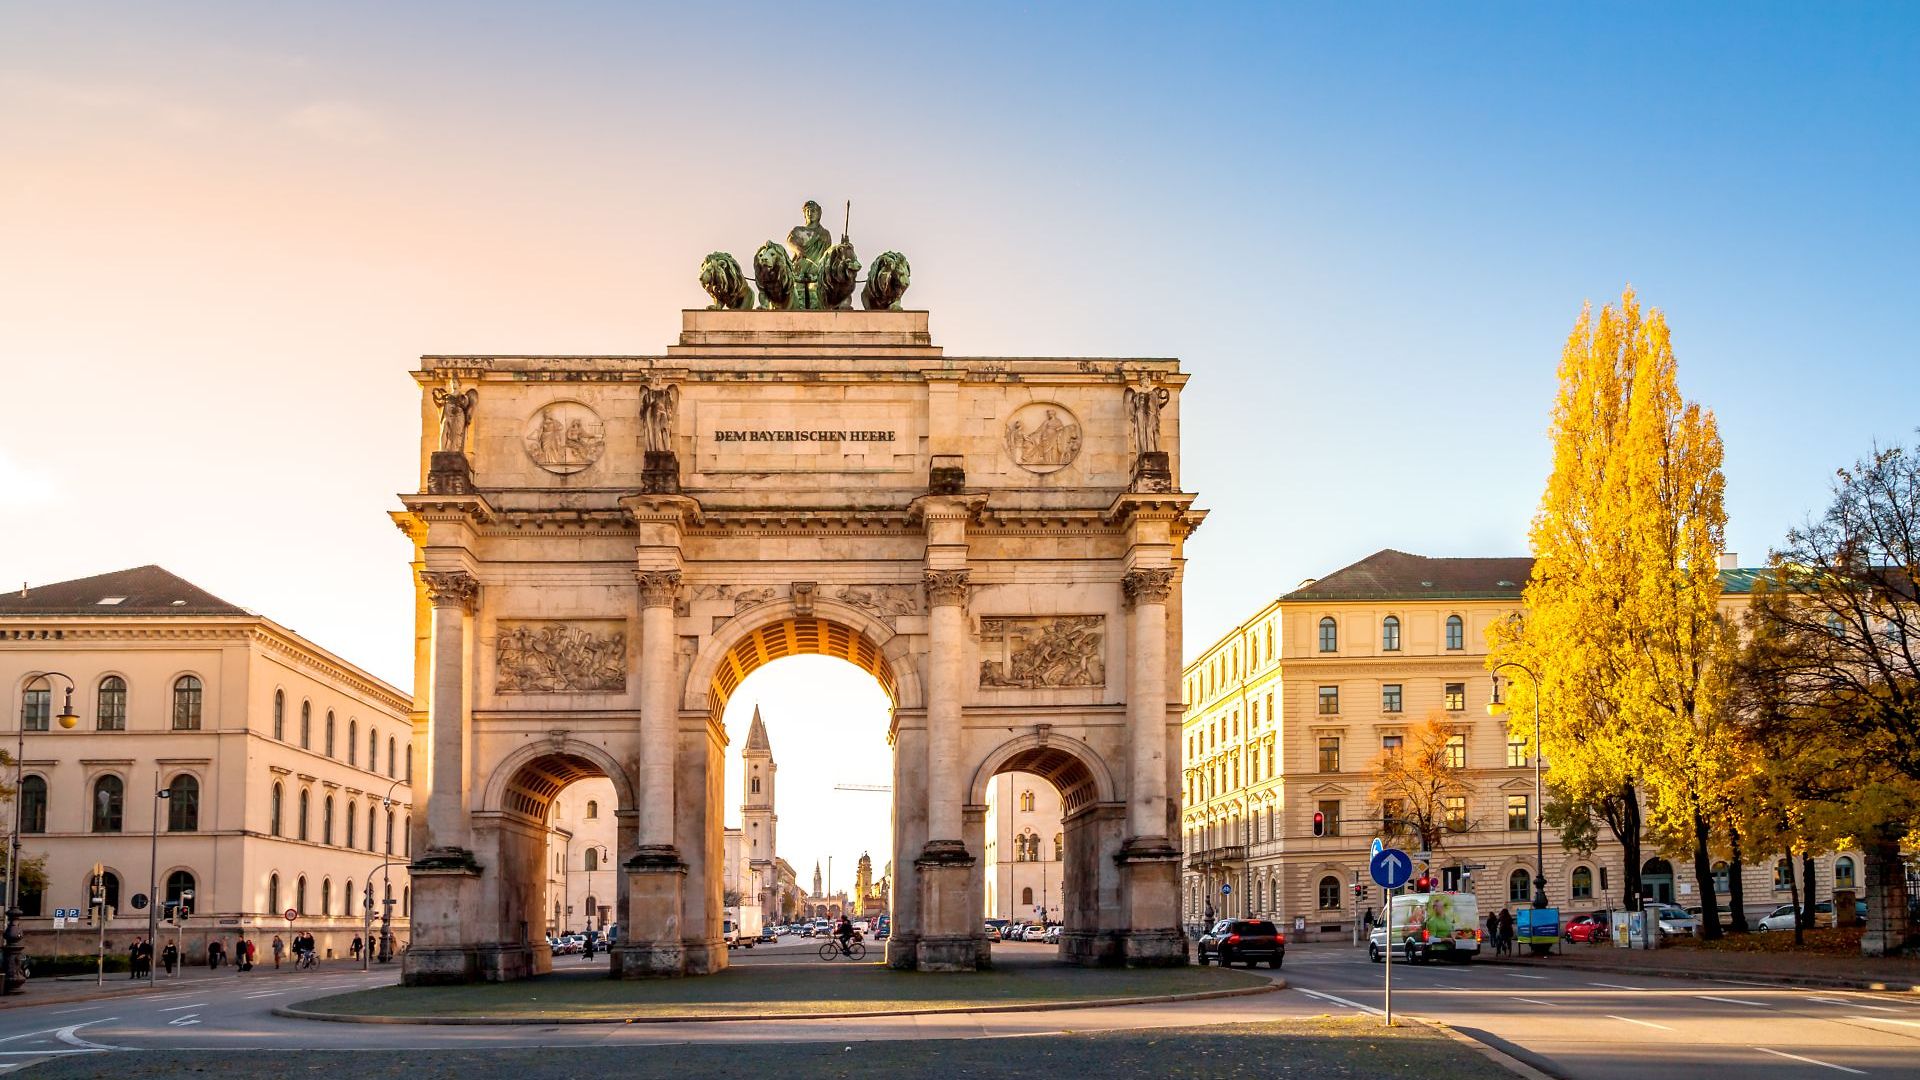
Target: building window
[1516,751]
[1391,813]
[109,803]
[1456,751]
[1783,875]
[1329,753]
[1520,887]
[179,884]
[329,743]
[1455,817]
[1843,873]
[1026,800]
[1390,697]
[1026,896]
[1456,633]
[326,821]
[1721,873]
[36,707]
[274,808]
[1330,815]
[1582,883]
[306,725]
[353,741]
[353,823]
[186,703]
[1270,765]
[592,861]
[273,893]
[1456,696]
[1329,701]
[1390,744]
[373,748]
[306,798]
[389,832]
[391,756]
[111,715]
[1517,813]
[593,805]
[280,715]
[1329,635]
[183,804]
[1059,847]
[33,804]
[406,835]
[1329,893]
[326,897]
[371,841]
[409,773]
[1390,634]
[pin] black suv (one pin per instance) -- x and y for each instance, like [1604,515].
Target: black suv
[1247,941]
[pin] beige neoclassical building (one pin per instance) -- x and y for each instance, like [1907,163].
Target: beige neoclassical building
[607,545]
[286,767]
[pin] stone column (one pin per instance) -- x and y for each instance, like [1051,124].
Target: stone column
[1150,861]
[948,921]
[446,877]
[652,942]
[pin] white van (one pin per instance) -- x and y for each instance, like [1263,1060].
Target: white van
[1429,925]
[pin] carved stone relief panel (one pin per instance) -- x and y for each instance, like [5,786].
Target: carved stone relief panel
[1030,652]
[565,437]
[554,657]
[1043,437]
[885,602]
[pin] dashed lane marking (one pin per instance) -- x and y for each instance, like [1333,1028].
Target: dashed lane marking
[1339,1001]
[1537,1001]
[1888,1020]
[1518,975]
[1614,986]
[177,1008]
[1811,1061]
[1642,1023]
[1731,1001]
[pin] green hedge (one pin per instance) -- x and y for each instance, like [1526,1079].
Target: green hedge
[77,964]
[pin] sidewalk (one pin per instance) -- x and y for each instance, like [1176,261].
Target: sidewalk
[1897,974]
[64,989]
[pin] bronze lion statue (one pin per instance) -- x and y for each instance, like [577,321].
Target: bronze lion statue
[838,275]
[887,282]
[773,271]
[722,279]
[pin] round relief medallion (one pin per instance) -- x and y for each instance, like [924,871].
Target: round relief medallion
[565,437]
[1043,437]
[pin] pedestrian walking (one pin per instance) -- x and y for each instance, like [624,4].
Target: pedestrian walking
[356,946]
[133,959]
[279,946]
[1493,931]
[170,956]
[1367,922]
[1506,932]
[243,955]
[587,951]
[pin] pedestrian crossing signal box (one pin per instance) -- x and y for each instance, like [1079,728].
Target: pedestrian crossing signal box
[1319,823]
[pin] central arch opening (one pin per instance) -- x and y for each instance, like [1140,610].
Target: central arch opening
[559,838]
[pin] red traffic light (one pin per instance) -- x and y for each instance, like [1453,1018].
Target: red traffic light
[1319,823]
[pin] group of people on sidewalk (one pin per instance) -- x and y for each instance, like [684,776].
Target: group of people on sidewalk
[1500,932]
[242,955]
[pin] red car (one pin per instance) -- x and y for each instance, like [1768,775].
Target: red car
[1587,929]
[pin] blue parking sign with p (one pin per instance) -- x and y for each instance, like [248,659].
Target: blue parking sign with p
[1390,868]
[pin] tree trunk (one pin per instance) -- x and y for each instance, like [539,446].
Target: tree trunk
[1703,878]
[1627,831]
[1793,897]
[1808,880]
[1736,887]
[1889,927]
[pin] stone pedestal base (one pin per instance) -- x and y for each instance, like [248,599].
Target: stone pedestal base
[950,934]
[506,963]
[449,473]
[1150,891]
[660,473]
[446,898]
[650,942]
[947,475]
[1152,473]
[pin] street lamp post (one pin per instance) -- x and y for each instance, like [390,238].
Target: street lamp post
[1539,808]
[160,795]
[386,879]
[12,981]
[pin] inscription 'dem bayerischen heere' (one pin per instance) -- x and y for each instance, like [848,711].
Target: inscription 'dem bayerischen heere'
[775,435]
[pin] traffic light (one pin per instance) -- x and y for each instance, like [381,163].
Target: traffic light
[1319,823]
[1423,883]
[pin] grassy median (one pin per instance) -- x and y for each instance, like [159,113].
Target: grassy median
[787,990]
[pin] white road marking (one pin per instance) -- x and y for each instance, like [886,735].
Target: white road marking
[1887,1020]
[1642,1023]
[77,1008]
[177,1008]
[1537,1001]
[184,1021]
[1339,1000]
[1810,1061]
[1517,975]
[268,993]
[1614,986]
[1730,1001]
[67,1035]
[1746,982]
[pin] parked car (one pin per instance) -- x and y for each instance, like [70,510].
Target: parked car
[882,929]
[1053,934]
[1674,920]
[1588,929]
[994,928]
[1243,941]
[1034,932]
[768,935]
[1781,918]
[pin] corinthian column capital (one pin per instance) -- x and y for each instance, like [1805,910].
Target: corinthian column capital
[450,588]
[946,587]
[658,588]
[1148,586]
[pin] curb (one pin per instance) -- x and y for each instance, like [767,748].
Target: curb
[1492,1053]
[294,1012]
[1818,982]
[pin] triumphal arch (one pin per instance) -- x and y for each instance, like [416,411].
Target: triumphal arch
[606,546]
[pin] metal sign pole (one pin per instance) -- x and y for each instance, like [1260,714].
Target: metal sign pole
[1389,952]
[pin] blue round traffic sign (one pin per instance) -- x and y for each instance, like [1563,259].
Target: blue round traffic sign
[1390,867]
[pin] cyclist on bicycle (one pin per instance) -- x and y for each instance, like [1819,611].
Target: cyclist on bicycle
[844,932]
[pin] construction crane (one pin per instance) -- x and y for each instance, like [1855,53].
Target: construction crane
[863,787]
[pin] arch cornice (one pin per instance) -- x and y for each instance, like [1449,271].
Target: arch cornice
[493,797]
[894,646]
[1104,788]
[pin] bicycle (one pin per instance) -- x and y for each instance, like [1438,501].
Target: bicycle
[852,950]
[308,960]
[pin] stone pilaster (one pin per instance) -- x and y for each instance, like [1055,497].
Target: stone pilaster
[945,867]
[1149,860]
[446,877]
[656,877]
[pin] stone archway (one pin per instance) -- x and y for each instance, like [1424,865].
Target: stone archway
[606,546]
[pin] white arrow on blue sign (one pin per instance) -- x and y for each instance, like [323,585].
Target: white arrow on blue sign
[1377,845]
[1390,868]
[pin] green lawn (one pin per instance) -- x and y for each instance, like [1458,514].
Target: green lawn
[783,990]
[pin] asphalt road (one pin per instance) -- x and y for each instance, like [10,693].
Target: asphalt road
[1571,1024]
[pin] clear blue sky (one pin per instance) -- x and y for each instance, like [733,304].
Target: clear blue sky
[1366,231]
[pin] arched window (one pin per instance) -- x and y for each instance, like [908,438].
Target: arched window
[1582,883]
[33,804]
[326,896]
[406,901]
[1390,634]
[389,832]
[372,837]
[756,785]
[1329,893]
[1721,874]
[1456,633]
[353,741]
[326,821]
[306,725]
[273,893]
[179,884]
[186,703]
[1329,635]
[406,834]
[36,706]
[1026,896]
[1783,875]
[409,763]
[183,804]
[110,886]
[109,803]
[275,807]
[300,895]
[1520,887]
[306,799]
[390,757]
[1026,800]
[329,743]
[1059,847]
[592,860]
[1843,873]
[346,897]
[1276,897]
[111,713]
[280,715]
[373,748]
[593,808]
[353,823]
